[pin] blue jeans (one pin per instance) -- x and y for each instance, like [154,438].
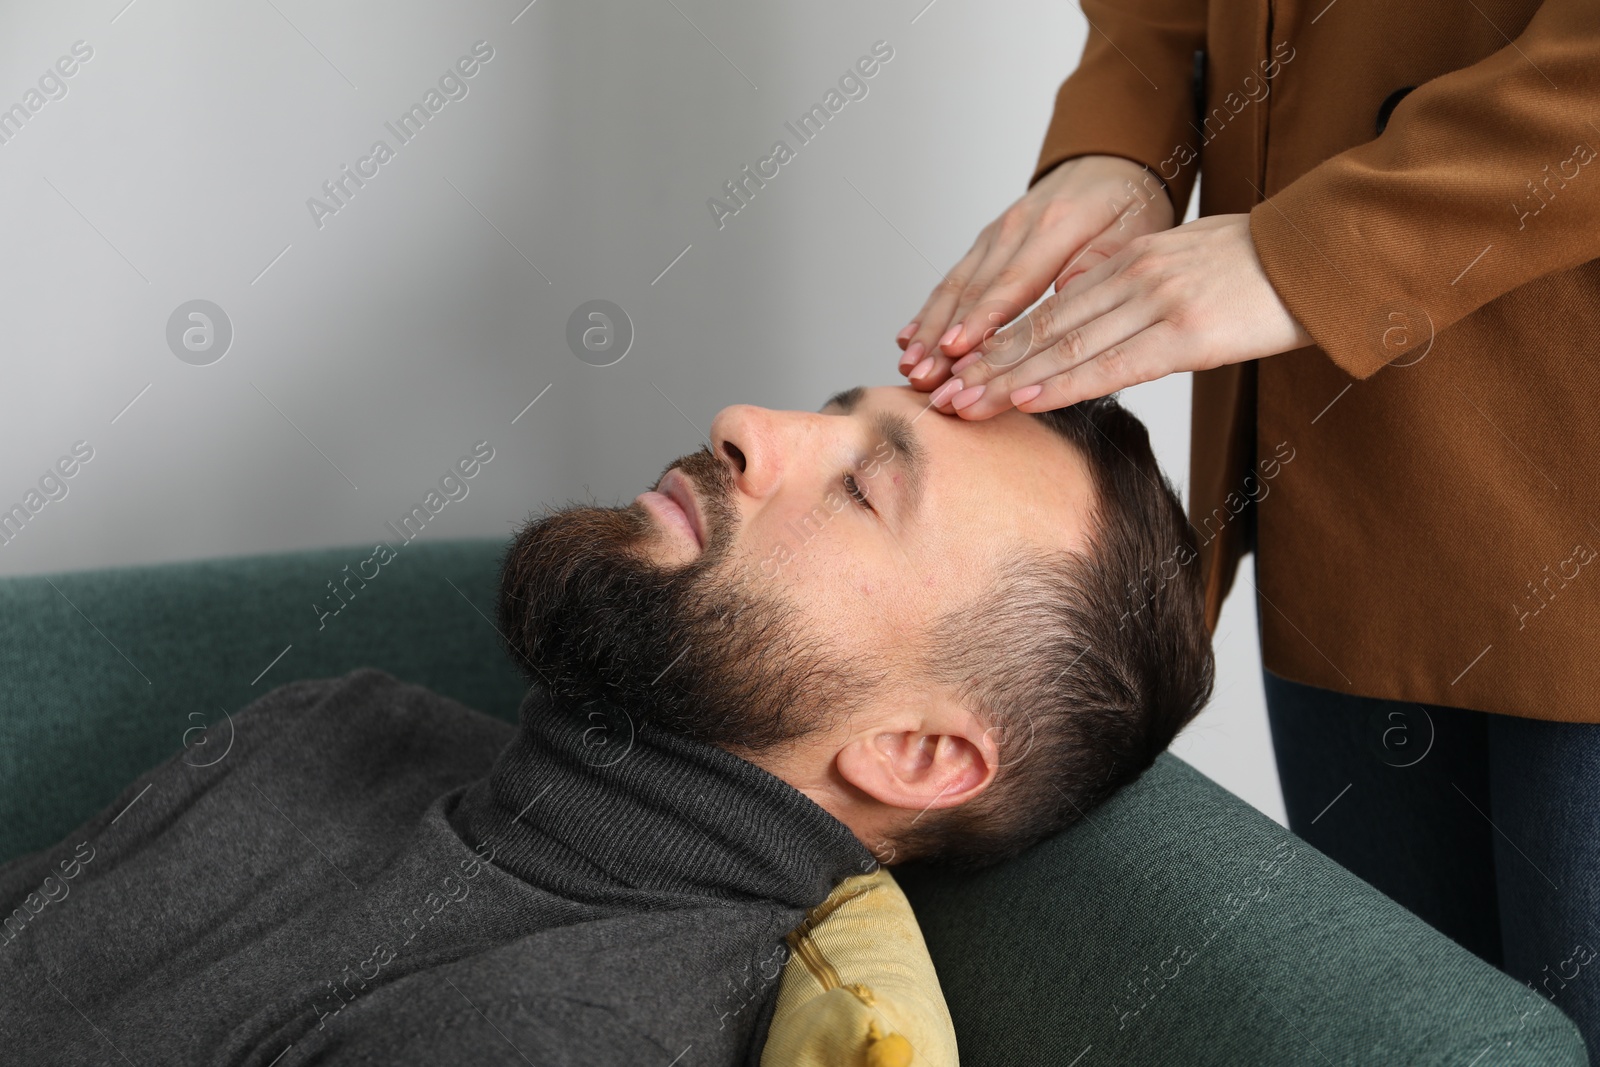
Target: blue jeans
[1486,826]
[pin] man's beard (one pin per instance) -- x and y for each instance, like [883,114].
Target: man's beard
[694,648]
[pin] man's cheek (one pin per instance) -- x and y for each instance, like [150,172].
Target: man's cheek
[776,558]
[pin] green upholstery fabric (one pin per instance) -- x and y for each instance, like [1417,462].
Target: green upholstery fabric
[1180,925]
[80,719]
[1177,926]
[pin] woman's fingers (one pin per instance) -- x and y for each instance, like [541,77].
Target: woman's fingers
[1059,239]
[1100,334]
[1093,254]
[1039,240]
[1191,298]
[1142,358]
[1079,302]
[1012,289]
[920,338]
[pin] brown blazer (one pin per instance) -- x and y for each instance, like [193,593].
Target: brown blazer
[1423,485]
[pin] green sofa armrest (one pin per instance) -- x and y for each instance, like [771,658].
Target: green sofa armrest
[1177,924]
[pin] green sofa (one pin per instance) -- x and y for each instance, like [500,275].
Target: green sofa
[1176,926]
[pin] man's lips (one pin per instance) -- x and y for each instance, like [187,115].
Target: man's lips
[673,502]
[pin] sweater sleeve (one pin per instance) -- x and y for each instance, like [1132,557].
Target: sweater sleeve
[1132,93]
[1484,179]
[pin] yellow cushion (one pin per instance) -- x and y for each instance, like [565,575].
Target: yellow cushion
[858,987]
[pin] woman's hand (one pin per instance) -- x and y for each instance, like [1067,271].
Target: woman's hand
[1073,218]
[1190,298]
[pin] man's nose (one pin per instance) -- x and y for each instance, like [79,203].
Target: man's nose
[762,446]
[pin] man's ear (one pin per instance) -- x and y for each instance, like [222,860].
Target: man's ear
[939,760]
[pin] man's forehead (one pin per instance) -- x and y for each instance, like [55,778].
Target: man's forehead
[940,431]
[1010,472]
[898,397]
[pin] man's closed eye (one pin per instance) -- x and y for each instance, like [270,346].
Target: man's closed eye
[853,487]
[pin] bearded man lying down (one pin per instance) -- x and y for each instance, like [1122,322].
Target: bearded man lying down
[829,640]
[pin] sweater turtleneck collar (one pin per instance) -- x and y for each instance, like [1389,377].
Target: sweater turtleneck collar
[592,804]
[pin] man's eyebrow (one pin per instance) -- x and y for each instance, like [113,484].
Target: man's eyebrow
[848,399]
[896,429]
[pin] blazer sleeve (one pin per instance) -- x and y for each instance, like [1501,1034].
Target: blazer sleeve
[1132,92]
[1484,179]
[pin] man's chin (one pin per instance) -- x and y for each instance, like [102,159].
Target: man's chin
[588,609]
[590,601]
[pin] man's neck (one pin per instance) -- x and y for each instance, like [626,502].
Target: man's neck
[812,773]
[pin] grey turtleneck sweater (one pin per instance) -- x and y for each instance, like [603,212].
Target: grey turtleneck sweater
[374,873]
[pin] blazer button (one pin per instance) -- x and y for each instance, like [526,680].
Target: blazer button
[1386,108]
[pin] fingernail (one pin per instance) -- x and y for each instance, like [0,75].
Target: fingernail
[944,392]
[905,335]
[921,370]
[967,397]
[950,336]
[1025,394]
[964,362]
[911,356]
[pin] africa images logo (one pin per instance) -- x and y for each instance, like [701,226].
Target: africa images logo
[453,85]
[852,86]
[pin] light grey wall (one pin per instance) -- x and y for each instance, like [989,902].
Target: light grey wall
[373,346]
